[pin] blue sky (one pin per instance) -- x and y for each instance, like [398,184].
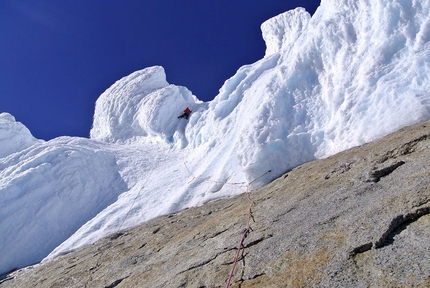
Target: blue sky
[58,56]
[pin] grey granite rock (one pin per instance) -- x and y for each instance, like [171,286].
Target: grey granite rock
[360,218]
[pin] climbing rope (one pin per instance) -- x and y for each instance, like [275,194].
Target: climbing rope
[248,222]
[246,231]
[237,184]
[245,234]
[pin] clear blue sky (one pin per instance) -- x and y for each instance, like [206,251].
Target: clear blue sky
[58,56]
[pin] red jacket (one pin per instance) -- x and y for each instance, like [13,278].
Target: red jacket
[188,111]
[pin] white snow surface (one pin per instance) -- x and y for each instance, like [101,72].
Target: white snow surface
[14,136]
[353,72]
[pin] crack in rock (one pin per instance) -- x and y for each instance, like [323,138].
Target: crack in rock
[115,283]
[256,241]
[399,224]
[203,263]
[217,234]
[376,174]
[242,280]
[406,148]
[361,249]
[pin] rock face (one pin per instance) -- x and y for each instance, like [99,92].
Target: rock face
[360,218]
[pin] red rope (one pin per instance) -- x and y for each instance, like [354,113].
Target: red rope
[245,233]
[248,224]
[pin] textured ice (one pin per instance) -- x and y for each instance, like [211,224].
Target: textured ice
[48,191]
[14,136]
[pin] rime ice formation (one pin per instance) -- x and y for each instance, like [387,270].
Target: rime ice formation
[354,71]
[14,136]
[142,104]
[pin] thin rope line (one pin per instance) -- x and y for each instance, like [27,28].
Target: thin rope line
[247,229]
[237,184]
[245,234]
[248,224]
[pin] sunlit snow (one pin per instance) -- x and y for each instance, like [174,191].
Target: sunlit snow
[354,71]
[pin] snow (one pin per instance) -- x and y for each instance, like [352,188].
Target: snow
[142,104]
[354,71]
[49,190]
[14,136]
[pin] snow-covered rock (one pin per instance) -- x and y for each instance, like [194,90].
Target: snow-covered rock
[354,71]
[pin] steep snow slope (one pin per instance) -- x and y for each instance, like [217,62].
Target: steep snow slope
[48,191]
[353,72]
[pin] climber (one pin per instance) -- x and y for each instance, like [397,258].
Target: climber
[186,113]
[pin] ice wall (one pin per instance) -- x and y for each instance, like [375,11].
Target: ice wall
[354,72]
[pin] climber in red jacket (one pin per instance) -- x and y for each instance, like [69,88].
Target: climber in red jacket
[186,113]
